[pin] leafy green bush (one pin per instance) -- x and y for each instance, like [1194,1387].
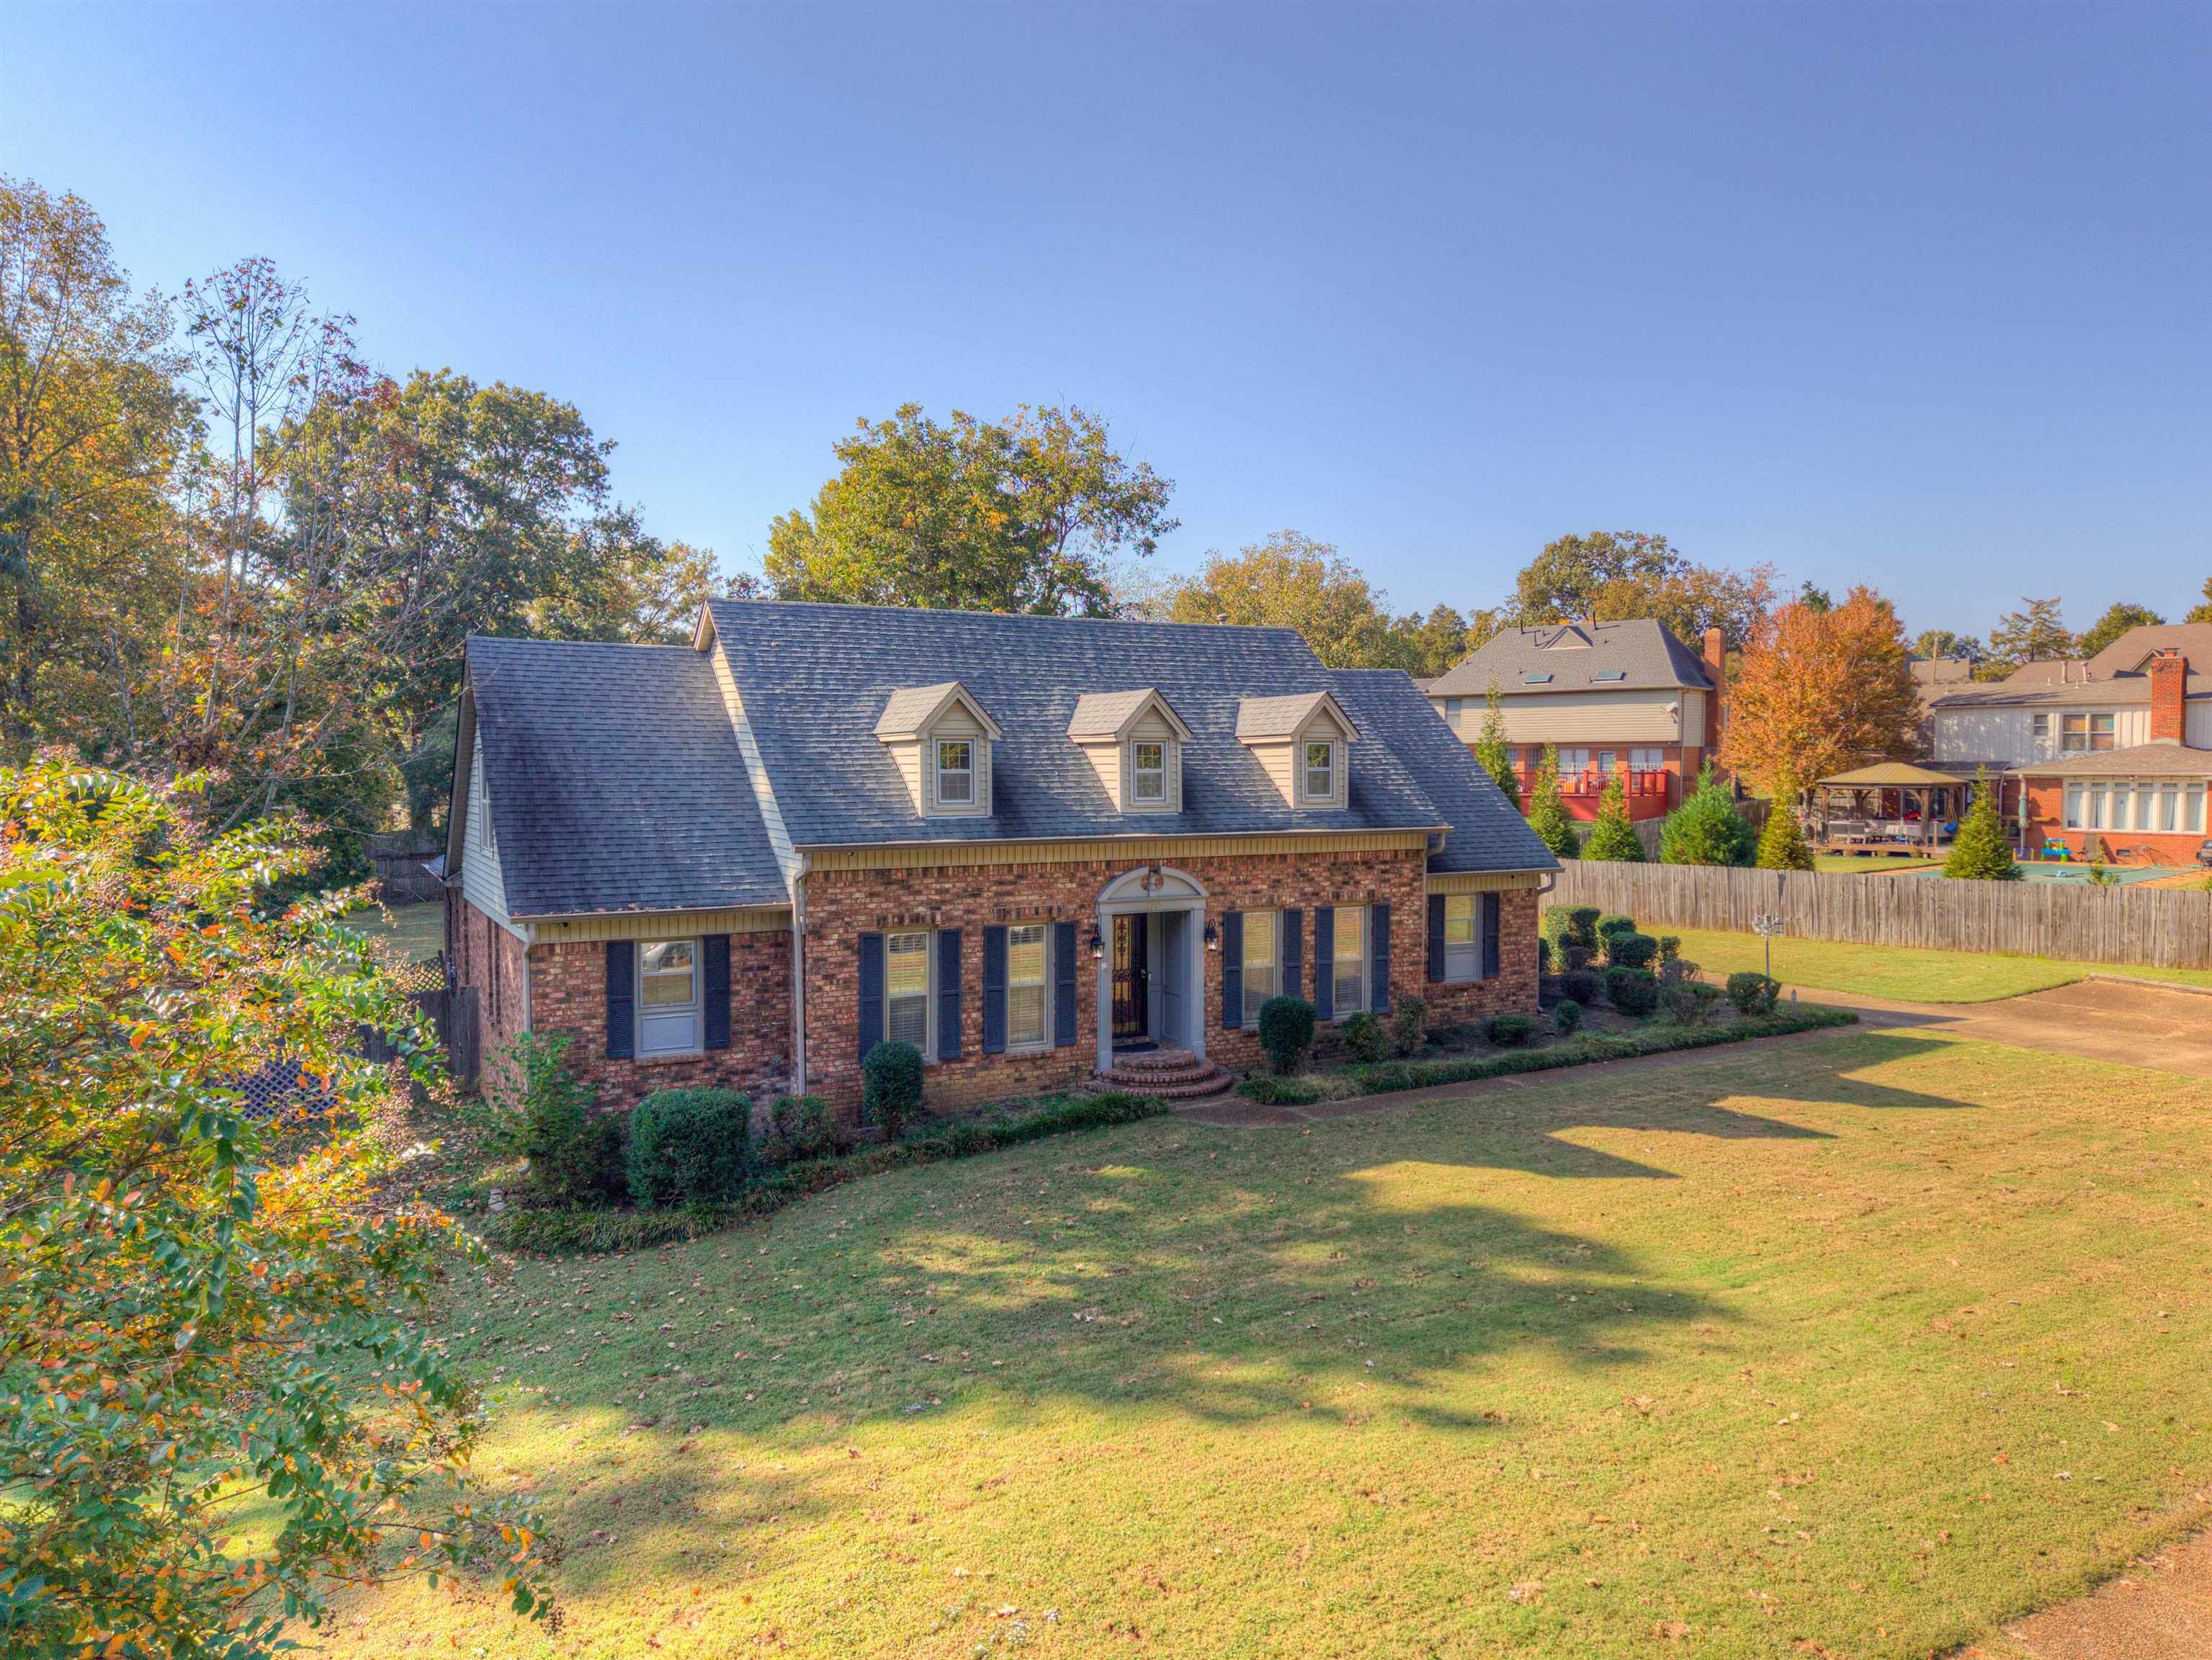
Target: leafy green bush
[1566,1017]
[1687,1002]
[1753,993]
[1509,1031]
[1582,925]
[1409,1024]
[1271,1091]
[1580,986]
[1364,1039]
[1611,926]
[1543,955]
[1286,1032]
[542,1112]
[891,1087]
[691,1146]
[1633,991]
[799,1127]
[1670,947]
[1630,951]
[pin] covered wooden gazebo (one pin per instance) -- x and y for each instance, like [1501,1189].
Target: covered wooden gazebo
[1924,801]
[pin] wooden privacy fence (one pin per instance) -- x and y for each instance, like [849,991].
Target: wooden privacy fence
[2169,928]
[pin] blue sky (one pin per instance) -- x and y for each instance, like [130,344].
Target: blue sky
[1914,295]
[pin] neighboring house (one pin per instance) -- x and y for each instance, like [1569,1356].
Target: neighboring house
[1026,845]
[2109,755]
[1627,698]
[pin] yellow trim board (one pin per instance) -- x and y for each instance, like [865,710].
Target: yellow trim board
[1132,850]
[656,925]
[1484,881]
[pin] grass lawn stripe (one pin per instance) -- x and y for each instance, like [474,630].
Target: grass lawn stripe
[1911,975]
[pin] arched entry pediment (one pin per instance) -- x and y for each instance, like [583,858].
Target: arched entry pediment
[1151,885]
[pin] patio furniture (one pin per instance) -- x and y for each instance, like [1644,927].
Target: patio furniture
[2204,853]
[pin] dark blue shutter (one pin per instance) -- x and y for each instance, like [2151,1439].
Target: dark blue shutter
[1435,937]
[1232,969]
[1379,966]
[872,992]
[1324,997]
[622,999]
[717,1022]
[1294,923]
[994,991]
[1490,936]
[948,994]
[1063,984]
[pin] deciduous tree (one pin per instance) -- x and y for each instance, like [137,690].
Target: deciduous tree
[1562,583]
[1031,514]
[2029,634]
[1821,691]
[1291,582]
[2116,621]
[1942,643]
[2202,613]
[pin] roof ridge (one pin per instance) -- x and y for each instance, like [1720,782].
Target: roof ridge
[1007,616]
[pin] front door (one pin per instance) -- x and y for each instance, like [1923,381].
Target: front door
[1168,977]
[1132,981]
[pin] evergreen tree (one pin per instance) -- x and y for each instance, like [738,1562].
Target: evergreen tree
[1547,813]
[1614,837]
[1782,843]
[1981,853]
[1707,828]
[1491,750]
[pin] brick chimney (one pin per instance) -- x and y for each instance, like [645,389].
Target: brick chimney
[2169,687]
[1716,671]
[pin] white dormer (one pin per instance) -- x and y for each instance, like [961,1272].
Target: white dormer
[1304,741]
[941,738]
[1134,740]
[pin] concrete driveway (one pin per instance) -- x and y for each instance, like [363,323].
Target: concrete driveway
[2130,1023]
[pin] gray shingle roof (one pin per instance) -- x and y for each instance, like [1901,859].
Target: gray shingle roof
[1642,653]
[2157,759]
[814,677]
[1105,714]
[616,781]
[1277,717]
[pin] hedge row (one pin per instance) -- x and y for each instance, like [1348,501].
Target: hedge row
[568,1232]
[1391,1076]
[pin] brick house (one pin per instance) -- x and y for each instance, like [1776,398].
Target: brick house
[1623,698]
[2108,756]
[1040,849]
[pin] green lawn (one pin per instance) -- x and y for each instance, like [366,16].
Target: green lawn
[413,932]
[1859,864]
[1920,976]
[1865,1340]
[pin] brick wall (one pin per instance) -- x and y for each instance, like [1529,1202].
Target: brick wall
[2169,692]
[486,957]
[2046,809]
[568,994]
[841,905]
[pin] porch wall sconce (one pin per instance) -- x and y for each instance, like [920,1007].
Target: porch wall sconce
[1098,945]
[1212,938]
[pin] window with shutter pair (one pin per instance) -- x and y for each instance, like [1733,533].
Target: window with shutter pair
[1463,937]
[1351,960]
[667,996]
[1259,959]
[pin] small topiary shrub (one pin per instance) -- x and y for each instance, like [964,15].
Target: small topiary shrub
[1670,947]
[1633,991]
[1687,1002]
[690,1147]
[1566,1017]
[1579,986]
[1364,1039]
[1509,1031]
[1609,925]
[1273,1092]
[1582,925]
[1409,1024]
[1753,993]
[891,1087]
[1632,951]
[1286,1032]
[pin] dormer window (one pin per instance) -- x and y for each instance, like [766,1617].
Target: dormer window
[1148,772]
[1321,772]
[955,772]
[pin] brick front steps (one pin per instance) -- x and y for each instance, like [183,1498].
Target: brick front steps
[1167,1074]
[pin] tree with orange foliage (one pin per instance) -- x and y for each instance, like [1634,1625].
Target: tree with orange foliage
[1822,691]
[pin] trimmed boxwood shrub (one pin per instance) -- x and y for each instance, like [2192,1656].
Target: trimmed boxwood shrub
[1633,991]
[1579,986]
[1543,955]
[1270,1091]
[1632,951]
[1753,993]
[1612,924]
[690,1147]
[1409,1024]
[1566,1017]
[1364,1039]
[1670,947]
[1287,1031]
[891,1087]
[1509,1031]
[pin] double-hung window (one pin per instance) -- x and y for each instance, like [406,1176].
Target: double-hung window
[1463,937]
[2082,734]
[955,772]
[668,997]
[1606,760]
[1572,762]
[905,989]
[1647,760]
[1029,950]
[1261,957]
[1349,974]
[1320,771]
[1453,706]
[2041,727]
[1148,772]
